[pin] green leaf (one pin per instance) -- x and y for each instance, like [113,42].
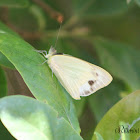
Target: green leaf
[121,60]
[38,77]
[128,111]
[3,84]
[14,3]
[105,98]
[99,7]
[29,119]
[5,62]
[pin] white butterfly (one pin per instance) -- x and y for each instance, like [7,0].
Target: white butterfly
[78,77]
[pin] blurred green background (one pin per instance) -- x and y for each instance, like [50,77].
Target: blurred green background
[103,32]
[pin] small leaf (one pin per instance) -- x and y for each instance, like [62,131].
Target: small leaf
[126,110]
[29,119]
[3,84]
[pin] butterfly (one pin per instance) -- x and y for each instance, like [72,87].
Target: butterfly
[78,77]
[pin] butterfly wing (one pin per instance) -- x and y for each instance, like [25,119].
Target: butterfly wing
[78,77]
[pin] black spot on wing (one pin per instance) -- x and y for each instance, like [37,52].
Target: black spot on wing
[91,82]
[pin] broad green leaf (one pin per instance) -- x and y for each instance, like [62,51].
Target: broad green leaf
[99,7]
[29,119]
[38,77]
[121,60]
[14,3]
[105,98]
[3,83]
[126,110]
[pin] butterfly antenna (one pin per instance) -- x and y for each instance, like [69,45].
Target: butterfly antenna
[58,35]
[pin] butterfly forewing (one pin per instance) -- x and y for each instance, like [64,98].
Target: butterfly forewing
[78,77]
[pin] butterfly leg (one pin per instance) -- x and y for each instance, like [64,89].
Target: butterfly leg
[44,52]
[44,62]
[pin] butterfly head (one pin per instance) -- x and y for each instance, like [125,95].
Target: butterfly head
[52,51]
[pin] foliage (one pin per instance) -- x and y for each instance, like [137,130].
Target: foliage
[105,33]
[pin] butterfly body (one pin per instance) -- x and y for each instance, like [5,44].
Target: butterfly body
[78,77]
